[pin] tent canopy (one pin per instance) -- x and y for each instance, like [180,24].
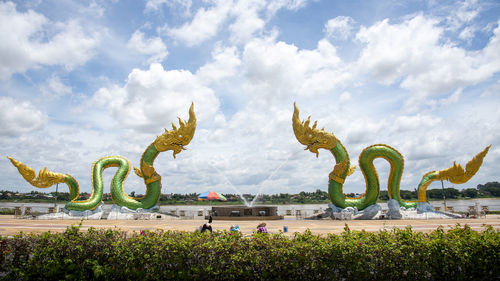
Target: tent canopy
[211,195]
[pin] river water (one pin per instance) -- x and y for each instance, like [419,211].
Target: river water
[302,210]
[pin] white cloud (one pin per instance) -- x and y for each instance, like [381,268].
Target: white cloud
[204,25]
[339,27]
[493,90]
[463,13]
[225,63]
[152,98]
[395,50]
[467,33]
[247,17]
[28,41]
[453,98]
[251,16]
[344,100]
[55,87]
[407,123]
[19,117]
[276,69]
[412,54]
[152,47]
[247,20]
[95,8]
[155,5]
[245,150]
[274,6]
[345,97]
[244,93]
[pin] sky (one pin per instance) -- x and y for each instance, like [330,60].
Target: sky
[80,80]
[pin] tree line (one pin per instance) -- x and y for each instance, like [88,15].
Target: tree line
[487,190]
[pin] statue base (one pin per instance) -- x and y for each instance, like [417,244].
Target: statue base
[124,213]
[116,213]
[95,214]
[395,212]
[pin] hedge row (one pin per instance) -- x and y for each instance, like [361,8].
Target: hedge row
[457,254]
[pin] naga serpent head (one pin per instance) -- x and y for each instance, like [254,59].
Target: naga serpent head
[177,138]
[311,137]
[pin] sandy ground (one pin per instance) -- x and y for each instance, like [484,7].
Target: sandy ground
[10,225]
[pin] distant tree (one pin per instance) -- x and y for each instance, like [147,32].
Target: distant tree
[319,195]
[384,195]
[83,196]
[451,193]
[61,196]
[470,193]
[435,193]
[408,194]
[490,189]
[107,197]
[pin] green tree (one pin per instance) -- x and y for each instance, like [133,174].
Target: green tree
[408,194]
[434,193]
[451,193]
[490,189]
[470,193]
[384,195]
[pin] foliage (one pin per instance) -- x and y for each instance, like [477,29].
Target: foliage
[99,254]
[6,211]
[405,194]
[490,188]
[470,193]
[317,197]
[449,192]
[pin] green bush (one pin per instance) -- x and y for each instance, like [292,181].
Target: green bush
[6,211]
[457,254]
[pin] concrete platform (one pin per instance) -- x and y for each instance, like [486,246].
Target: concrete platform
[10,225]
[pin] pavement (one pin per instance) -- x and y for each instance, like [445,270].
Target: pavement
[9,225]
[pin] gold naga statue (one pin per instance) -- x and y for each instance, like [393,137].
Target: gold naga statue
[315,139]
[174,140]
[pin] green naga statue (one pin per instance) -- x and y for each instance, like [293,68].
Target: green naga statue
[174,140]
[315,139]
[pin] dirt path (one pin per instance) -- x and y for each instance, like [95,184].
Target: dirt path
[10,225]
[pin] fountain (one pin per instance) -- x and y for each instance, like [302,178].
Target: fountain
[247,211]
[232,186]
[269,177]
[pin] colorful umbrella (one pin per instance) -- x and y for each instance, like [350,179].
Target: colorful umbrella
[211,195]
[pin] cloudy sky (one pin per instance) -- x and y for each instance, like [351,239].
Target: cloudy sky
[80,80]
